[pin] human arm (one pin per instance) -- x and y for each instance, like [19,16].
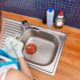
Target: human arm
[17,47]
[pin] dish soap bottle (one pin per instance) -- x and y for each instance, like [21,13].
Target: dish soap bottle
[50,17]
[59,22]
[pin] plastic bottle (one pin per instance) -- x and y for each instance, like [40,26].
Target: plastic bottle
[50,17]
[59,22]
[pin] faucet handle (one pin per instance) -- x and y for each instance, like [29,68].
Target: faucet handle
[25,25]
[24,21]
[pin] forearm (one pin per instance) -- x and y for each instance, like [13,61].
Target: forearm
[17,46]
[24,67]
[16,75]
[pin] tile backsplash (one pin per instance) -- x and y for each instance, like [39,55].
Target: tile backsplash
[37,8]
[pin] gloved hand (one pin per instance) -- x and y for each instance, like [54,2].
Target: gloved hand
[16,45]
[8,48]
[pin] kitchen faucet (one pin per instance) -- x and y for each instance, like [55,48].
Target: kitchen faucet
[25,26]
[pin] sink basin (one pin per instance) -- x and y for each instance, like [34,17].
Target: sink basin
[49,45]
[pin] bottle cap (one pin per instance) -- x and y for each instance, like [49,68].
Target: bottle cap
[50,9]
[61,13]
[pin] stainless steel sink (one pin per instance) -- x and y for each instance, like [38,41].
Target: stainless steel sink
[49,45]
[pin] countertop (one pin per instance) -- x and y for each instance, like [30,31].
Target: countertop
[69,63]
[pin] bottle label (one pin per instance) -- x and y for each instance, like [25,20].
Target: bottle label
[59,23]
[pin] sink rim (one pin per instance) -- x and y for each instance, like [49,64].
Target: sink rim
[55,36]
[52,67]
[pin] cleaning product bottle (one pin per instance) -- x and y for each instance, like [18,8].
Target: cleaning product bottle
[50,17]
[59,22]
